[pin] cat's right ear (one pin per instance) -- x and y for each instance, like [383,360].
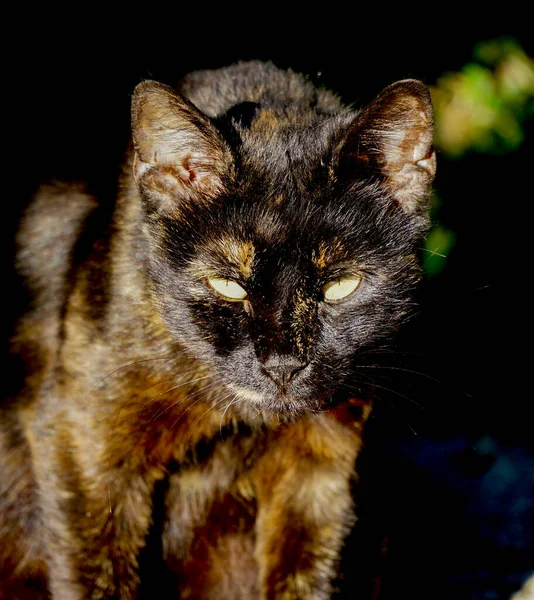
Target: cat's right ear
[391,140]
[179,154]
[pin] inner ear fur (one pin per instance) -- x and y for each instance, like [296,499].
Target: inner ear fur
[178,151]
[392,138]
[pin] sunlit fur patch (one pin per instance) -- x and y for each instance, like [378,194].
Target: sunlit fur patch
[239,255]
[224,252]
[328,253]
[277,199]
[331,173]
[267,121]
[302,324]
[323,489]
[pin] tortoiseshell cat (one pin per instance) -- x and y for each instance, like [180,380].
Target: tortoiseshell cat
[194,346]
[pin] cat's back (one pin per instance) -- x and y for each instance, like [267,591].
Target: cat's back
[48,232]
[47,238]
[216,91]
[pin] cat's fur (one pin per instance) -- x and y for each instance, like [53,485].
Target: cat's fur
[144,383]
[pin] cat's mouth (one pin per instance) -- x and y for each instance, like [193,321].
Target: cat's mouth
[285,402]
[246,394]
[285,387]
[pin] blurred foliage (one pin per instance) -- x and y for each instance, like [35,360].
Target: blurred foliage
[481,108]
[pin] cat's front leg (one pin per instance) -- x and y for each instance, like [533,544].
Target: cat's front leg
[302,530]
[305,508]
[95,520]
[93,549]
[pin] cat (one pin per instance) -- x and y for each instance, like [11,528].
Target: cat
[188,348]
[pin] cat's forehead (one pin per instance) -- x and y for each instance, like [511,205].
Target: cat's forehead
[285,222]
[288,143]
[232,252]
[271,239]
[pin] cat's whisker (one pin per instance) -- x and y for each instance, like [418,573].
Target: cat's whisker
[258,411]
[157,414]
[187,382]
[179,404]
[189,407]
[235,400]
[130,364]
[391,368]
[186,399]
[319,418]
[192,394]
[151,400]
[212,407]
[395,352]
[381,399]
[139,393]
[402,417]
[168,432]
[432,252]
[123,405]
[352,386]
[373,385]
[144,390]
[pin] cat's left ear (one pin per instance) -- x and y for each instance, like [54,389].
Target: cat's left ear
[392,138]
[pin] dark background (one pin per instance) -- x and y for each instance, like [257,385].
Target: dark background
[449,477]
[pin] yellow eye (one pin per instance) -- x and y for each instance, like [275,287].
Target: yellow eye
[340,288]
[227,288]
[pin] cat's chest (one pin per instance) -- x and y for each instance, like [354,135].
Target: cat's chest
[212,503]
[208,526]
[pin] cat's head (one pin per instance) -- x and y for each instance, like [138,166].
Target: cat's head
[282,242]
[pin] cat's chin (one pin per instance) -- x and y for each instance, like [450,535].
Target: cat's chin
[247,395]
[282,404]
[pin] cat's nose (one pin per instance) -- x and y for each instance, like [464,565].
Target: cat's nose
[282,369]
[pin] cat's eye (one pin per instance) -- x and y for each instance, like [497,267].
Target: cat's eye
[339,289]
[227,288]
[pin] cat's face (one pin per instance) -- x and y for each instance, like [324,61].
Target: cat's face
[275,260]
